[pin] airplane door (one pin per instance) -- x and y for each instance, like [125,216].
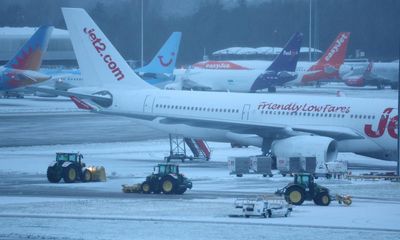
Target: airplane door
[245,113]
[148,104]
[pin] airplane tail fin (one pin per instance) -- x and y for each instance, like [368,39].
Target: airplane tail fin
[165,59]
[100,63]
[335,54]
[30,56]
[287,59]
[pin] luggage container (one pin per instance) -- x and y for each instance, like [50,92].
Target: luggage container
[261,165]
[239,165]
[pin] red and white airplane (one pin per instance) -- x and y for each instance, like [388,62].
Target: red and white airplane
[297,125]
[238,76]
[379,74]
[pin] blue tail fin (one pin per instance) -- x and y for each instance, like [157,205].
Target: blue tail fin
[29,57]
[287,59]
[165,59]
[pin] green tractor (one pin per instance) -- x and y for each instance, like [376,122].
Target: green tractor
[303,188]
[166,179]
[69,166]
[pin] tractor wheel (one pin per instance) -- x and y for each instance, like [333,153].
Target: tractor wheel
[322,199]
[146,187]
[168,185]
[86,176]
[69,174]
[295,195]
[53,174]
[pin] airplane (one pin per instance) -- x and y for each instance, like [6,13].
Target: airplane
[295,125]
[379,74]
[279,72]
[325,69]
[22,69]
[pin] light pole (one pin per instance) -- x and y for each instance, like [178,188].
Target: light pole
[141,30]
[398,125]
[309,33]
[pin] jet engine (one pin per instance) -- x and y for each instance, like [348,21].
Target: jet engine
[301,148]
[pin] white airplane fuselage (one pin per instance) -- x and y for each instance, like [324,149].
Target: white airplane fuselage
[239,80]
[284,111]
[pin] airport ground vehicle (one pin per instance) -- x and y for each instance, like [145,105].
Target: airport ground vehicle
[165,178]
[69,166]
[303,188]
[264,207]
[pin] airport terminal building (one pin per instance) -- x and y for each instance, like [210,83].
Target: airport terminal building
[59,51]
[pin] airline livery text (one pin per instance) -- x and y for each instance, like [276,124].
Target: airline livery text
[100,47]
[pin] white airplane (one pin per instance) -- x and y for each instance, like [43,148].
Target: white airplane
[294,125]
[379,74]
[239,76]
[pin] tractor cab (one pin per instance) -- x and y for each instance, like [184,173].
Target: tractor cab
[165,169]
[304,179]
[69,157]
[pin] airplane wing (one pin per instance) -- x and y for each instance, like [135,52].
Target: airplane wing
[267,130]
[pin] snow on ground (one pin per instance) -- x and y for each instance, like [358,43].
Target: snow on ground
[201,213]
[131,162]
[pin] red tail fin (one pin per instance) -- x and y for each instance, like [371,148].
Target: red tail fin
[336,53]
[328,65]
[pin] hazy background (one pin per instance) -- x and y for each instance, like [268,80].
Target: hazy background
[218,24]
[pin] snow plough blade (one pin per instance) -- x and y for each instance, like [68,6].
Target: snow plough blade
[343,199]
[135,188]
[98,173]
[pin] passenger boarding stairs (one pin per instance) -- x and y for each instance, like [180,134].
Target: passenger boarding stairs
[198,147]
[178,145]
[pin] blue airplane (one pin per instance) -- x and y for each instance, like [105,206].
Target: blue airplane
[282,69]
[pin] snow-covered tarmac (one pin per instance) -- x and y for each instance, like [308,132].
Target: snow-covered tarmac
[32,208]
